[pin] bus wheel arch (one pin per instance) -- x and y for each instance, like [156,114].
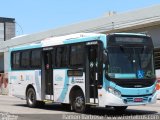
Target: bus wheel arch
[29,86]
[35,103]
[77,99]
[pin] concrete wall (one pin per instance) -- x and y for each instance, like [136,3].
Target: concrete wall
[7,30]
[10,30]
[1,32]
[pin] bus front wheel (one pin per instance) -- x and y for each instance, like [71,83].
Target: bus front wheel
[78,102]
[31,98]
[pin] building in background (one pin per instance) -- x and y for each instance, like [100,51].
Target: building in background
[7,31]
[7,28]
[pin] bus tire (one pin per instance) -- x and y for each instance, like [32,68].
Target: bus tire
[31,98]
[78,102]
[120,108]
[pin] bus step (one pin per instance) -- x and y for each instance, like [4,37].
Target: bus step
[48,101]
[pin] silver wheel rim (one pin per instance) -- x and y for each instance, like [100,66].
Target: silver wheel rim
[31,97]
[79,102]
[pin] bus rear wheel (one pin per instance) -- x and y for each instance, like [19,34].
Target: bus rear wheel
[78,102]
[120,108]
[31,98]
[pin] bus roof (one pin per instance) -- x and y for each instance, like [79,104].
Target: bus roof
[67,38]
[136,34]
[51,41]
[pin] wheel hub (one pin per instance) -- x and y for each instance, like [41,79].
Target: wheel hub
[79,102]
[31,98]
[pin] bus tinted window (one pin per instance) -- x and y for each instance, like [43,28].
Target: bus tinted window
[16,60]
[36,58]
[25,59]
[76,55]
[61,57]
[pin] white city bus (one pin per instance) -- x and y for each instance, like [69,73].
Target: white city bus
[85,69]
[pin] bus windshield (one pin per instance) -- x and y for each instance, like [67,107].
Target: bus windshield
[130,62]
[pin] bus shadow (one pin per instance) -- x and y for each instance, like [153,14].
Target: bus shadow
[56,107]
[95,111]
[112,112]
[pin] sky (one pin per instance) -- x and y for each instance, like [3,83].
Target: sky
[34,16]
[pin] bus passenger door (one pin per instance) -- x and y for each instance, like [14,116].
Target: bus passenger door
[47,75]
[92,74]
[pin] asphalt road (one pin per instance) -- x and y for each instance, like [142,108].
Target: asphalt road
[13,108]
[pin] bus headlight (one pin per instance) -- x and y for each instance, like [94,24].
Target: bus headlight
[114,91]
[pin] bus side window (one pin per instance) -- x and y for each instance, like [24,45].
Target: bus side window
[15,60]
[36,58]
[61,57]
[76,55]
[25,59]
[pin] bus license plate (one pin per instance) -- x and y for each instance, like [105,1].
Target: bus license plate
[138,100]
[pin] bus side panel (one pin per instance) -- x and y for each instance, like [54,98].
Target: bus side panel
[75,81]
[19,81]
[60,84]
[37,85]
[63,85]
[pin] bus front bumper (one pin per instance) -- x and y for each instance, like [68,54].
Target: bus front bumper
[110,99]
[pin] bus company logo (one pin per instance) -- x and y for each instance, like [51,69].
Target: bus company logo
[73,81]
[58,78]
[147,91]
